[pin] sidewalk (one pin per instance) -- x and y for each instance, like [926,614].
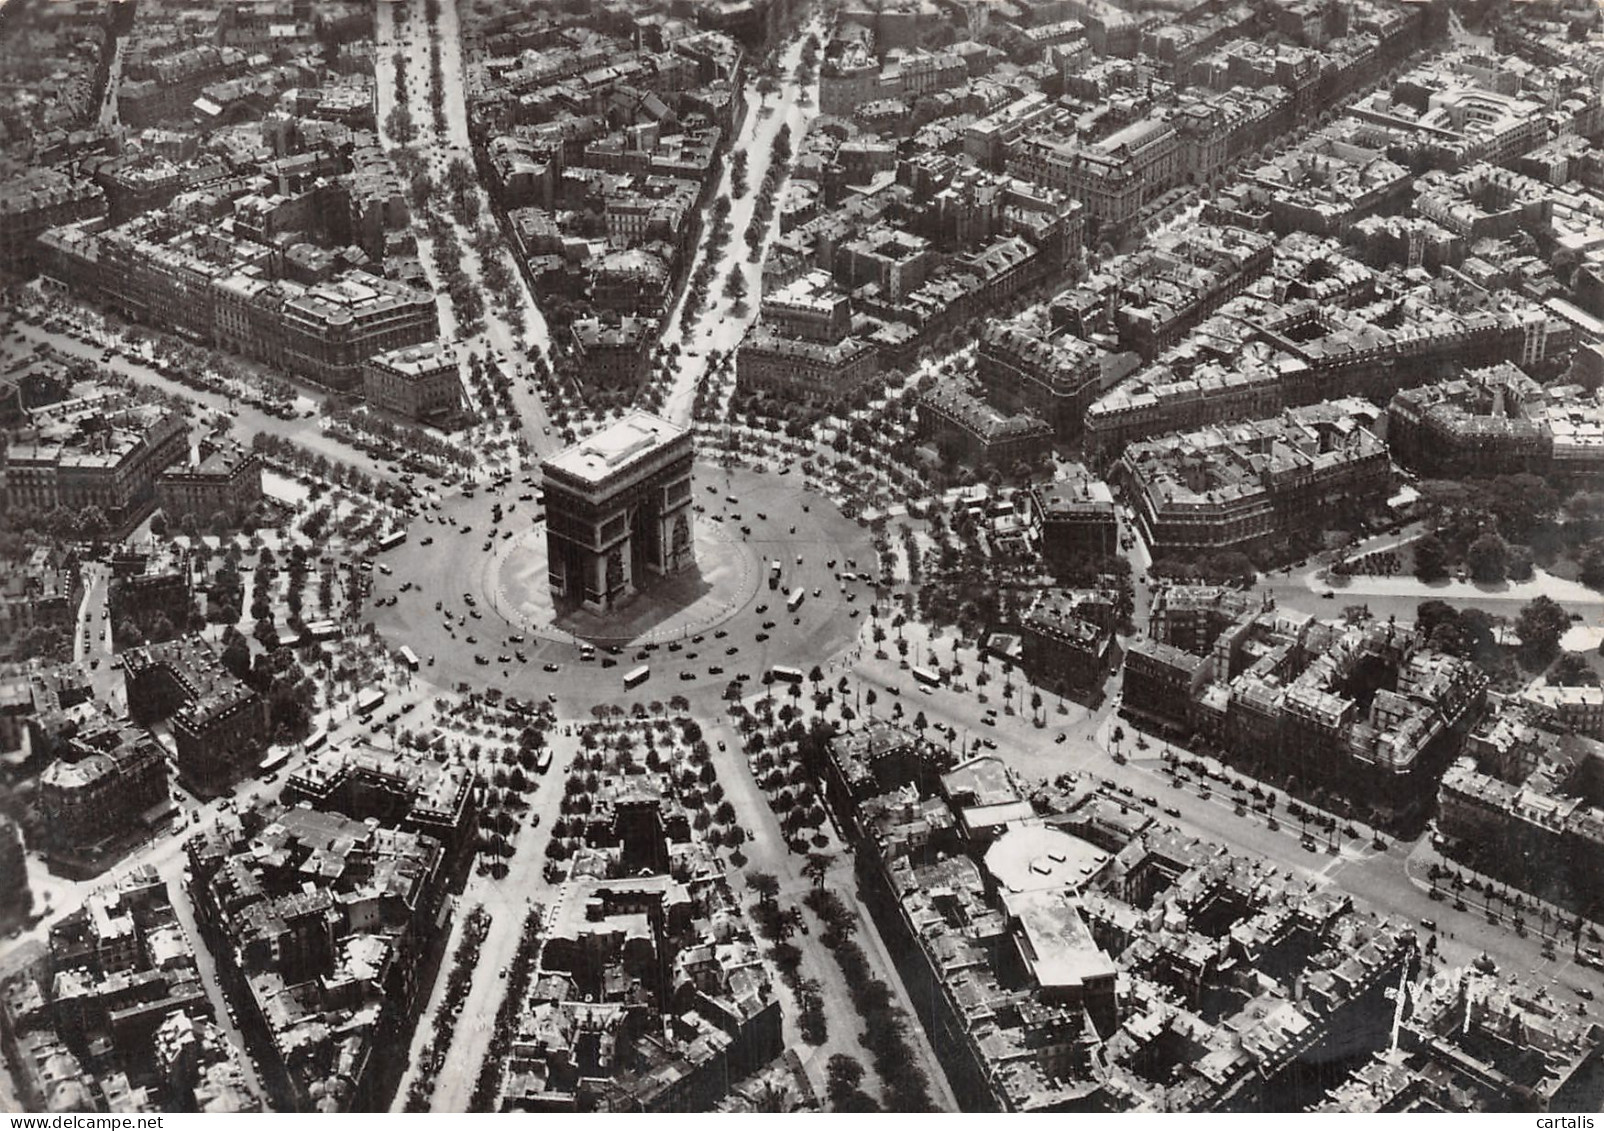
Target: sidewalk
[1541,584]
[1225,773]
[1530,911]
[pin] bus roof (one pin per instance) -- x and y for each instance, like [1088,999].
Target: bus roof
[274,758]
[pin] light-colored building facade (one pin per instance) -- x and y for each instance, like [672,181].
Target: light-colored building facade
[421,382]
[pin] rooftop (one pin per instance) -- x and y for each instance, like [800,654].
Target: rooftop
[1033,857]
[1054,939]
[616,447]
[415,361]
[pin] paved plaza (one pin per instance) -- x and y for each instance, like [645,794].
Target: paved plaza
[697,631]
[723,581]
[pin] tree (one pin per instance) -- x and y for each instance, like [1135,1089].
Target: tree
[158,524]
[1540,625]
[1488,559]
[162,629]
[1520,564]
[126,634]
[1519,503]
[844,1080]
[92,524]
[844,1072]
[236,655]
[420,189]
[1430,614]
[818,867]
[1572,670]
[1592,564]
[1431,559]
[399,124]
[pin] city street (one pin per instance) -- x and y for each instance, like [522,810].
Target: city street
[247,419]
[717,327]
[766,851]
[91,639]
[439,150]
[1380,878]
[1303,591]
[508,900]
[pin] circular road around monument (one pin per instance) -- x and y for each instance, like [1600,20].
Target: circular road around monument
[695,633]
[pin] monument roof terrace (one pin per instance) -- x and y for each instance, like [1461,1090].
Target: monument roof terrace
[614,449]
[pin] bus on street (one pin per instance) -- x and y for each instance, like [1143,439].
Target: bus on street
[637,677]
[393,539]
[786,675]
[774,574]
[927,677]
[794,601]
[273,759]
[368,701]
[543,763]
[408,657]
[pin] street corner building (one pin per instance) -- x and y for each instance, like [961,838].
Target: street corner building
[618,510]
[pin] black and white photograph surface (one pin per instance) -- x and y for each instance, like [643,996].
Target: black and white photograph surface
[769,556]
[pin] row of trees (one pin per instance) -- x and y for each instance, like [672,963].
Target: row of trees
[208,370]
[399,125]
[220,525]
[323,469]
[885,1025]
[437,75]
[506,1023]
[1502,527]
[467,302]
[475,928]
[715,241]
[492,387]
[363,428]
[23,527]
[769,191]
[774,925]
[1223,567]
[807,67]
[1472,634]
